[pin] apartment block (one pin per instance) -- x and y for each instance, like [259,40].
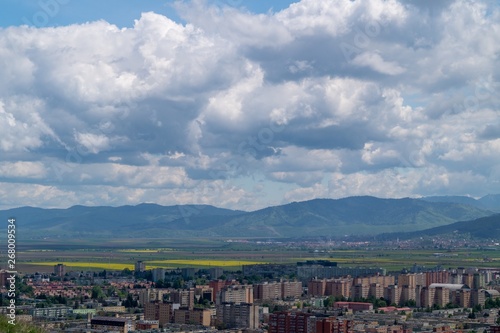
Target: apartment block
[288,322]
[183,297]
[235,294]
[163,312]
[316,287]
[376,290]
[194,316]
[360,291]
[291,289]
[267,291]
[393,294]
[383,280]
[339,287]
[242,315]
[333,325]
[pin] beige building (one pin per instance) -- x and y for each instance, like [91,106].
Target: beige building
[339,287]
[267,291]
[194,316]
[183,297]
[291,289]
[235,294]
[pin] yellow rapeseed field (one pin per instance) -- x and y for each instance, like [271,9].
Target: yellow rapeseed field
[83,264]
[170,264]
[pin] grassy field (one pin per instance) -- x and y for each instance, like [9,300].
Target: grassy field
[119,254]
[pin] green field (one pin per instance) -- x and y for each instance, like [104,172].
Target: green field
[205,253]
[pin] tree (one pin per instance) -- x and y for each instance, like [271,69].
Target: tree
[111,291]
[97,293]
[178,283]
[130,302]
[328,301]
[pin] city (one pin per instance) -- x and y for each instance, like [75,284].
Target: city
[321,297]
[244,166]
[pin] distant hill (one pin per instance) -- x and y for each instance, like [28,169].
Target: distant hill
[484,227]
[489,202]
[145,220]
[332,218]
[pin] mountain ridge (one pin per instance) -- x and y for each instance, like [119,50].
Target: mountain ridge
[363,215]
[487,227]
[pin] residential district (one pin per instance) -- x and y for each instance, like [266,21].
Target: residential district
[307,297]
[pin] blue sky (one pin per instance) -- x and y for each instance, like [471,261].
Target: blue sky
[119,12]
[240,105]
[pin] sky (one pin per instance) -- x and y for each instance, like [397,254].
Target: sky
[243,105]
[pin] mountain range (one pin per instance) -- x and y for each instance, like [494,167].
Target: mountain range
[490,201]
[333,218]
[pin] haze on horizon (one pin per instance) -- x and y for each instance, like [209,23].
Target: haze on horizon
[243,106]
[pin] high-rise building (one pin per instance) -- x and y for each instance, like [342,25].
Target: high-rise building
[360,291]
[437,277]
[216,286]
[464,300]
[277,290]
[383,280]
[158,274]
[267,291]
[194,316]
[339,287]
[409,280]
[393,294]
[188,273]
[333,325]
[478,297]
[291,289]
[215,272]
[140,266]
[441,296]
[316,287]
[478,281]
[161,311]
[235,294]
[307,271]
[376,290]
[427,297]
[408,293]
[183,297]
[59,270]
[288,322]
[242,315]
[468,279]
[204,292]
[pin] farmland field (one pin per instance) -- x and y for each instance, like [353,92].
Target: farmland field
[205,253]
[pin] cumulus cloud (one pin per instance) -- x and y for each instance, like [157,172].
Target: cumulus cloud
[321,99]
[375,62]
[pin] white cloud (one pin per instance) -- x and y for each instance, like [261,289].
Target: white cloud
[94,143]
[179,113]
[375,62]
[20,170]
